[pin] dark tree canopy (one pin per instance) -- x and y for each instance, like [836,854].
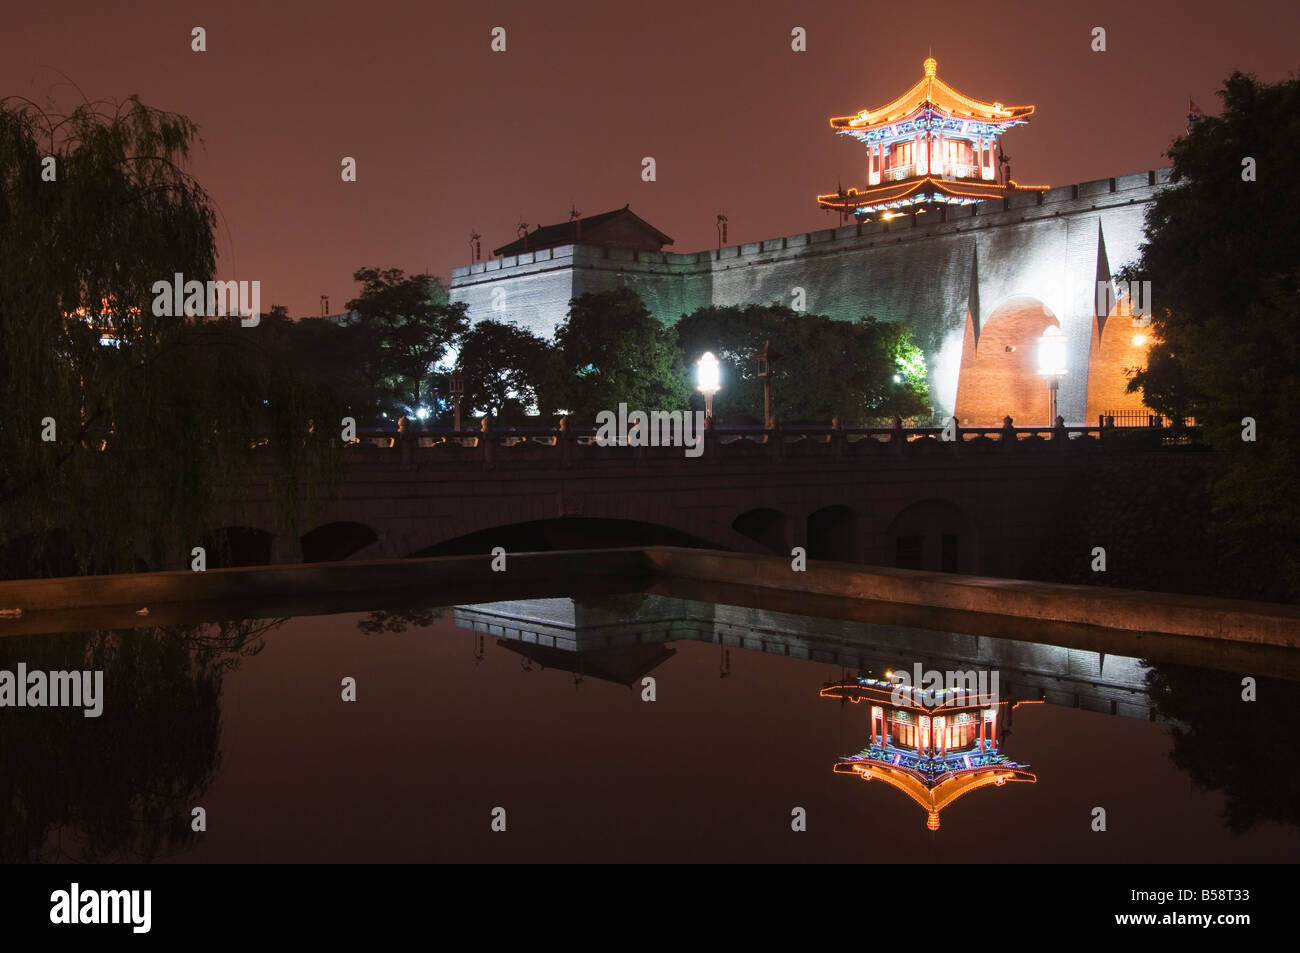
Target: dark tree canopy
[123,790]
[504,367]
[119,451]
[612,350]
[825,368]
[1232,746]
[1223,258]
[411,322]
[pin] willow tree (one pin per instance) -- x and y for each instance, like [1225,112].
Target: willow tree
[120,452]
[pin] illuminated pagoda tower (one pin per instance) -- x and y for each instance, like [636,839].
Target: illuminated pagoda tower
[929,148]
[933,745]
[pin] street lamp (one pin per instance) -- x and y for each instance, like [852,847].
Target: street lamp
[766,358]
[1051,364]
[457,388]
[706,375]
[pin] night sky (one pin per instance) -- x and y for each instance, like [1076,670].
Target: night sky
[450,137]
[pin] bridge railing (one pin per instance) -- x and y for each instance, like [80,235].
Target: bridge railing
[573,443]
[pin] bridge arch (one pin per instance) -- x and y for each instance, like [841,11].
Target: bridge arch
[238,546]
[999,372]
[330,542]
[833,534]
[771,529]
[562,532]
[935,535]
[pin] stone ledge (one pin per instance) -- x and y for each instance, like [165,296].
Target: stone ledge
[111,601]
[1123,609]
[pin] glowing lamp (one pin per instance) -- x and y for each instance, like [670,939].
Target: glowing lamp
[1051,353]
[706,376]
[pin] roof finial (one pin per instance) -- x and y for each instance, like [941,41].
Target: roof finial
[931,66]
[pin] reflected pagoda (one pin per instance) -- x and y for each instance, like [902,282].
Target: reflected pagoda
[929,148]
[932,746]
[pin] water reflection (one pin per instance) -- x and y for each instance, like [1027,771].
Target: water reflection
[1228,744]
[588,632]
[1221,741]
[934,750]
[120,787]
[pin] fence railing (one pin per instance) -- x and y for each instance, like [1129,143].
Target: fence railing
[1140,418]
[492,443]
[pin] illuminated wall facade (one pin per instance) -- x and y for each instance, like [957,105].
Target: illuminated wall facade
[952,277]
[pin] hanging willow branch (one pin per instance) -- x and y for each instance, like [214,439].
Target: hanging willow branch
[178,400]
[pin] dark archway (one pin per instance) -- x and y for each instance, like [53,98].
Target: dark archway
[934,535]
[238,546]
[565,532]
[833,534]
[334,541]
[770,528]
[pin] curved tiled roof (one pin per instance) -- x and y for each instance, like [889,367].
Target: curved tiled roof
[933,91]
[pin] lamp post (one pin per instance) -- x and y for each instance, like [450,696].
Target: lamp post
[457,391]
[766,358]
[1051,364]
[706,375]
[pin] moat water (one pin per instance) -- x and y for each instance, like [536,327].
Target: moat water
[635,727]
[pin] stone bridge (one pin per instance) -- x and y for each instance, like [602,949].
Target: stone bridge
[985,502]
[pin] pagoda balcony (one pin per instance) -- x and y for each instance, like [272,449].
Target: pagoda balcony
[961,172]
[900,172]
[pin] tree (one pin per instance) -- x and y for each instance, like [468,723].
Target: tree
[1223,258]
[503,366]
[413,324]
[178,403]
[1229,746]
[859,371]
[123,792]
[611,351]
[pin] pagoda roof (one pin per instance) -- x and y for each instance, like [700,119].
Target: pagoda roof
[934,797]
[881,692]
[931,91]
[970,189]
[620,228]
